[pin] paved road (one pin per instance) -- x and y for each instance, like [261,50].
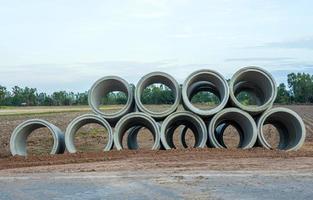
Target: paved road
[156,185]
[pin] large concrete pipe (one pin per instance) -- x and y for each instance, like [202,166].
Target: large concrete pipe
[187,119]
[19,136]
[289,125]
[136,120]
[161,78]
[258,83]
[104,86]
[205,80]
[244,123]
[79,122]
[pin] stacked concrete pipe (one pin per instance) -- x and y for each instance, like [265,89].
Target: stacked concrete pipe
[208,125]
[259,83]
[104,86]
[205,80]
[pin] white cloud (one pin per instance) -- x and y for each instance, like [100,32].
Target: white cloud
[53,44]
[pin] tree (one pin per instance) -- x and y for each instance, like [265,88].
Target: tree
[283,96]
[301,86]
[3,93]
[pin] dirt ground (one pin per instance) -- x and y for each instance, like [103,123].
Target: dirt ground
[91,139]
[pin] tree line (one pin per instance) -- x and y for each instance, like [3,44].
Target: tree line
[298,90]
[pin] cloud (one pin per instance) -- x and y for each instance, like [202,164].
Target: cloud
[50,77]
[258,59]
[280,73]
[300,43]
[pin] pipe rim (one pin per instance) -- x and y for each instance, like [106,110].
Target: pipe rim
[267,114]
[69,133]
[125,119]
[207,112]
[165,126]
[212,125]
[124,110]
[141,85]
[54,130]
[252,109]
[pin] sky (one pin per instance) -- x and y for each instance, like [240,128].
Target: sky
[69,44]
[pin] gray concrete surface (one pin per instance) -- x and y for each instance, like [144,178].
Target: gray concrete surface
[259,83]
[187,119]
[244,121]
[20,134]
[104,86]
[79,122]
[289,125]
[136,120]
[150,185]
[205,80]
[163,78]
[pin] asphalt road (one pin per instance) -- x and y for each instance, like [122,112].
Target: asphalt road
[158,185]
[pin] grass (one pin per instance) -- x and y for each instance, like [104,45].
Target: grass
[34,110]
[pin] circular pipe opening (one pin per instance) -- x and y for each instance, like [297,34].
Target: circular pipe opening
[289,125]
[187,119]
[104,86]
[186,137]
[241,120]
[271,135]
[229,135]
[252,89]
[209,81]
[39,142]
[158,78]
[79,122]
[139,138]
[18,140]
[136,121]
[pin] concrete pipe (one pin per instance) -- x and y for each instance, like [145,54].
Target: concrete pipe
[19,136]
[187,119]
[132,142]
[182,136]
[132,122]
[289,125]
[205,80]
[104,86]
[258,83]
[79,122]
[244,123]
[163,78]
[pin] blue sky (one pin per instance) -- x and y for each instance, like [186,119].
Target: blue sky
[67,45]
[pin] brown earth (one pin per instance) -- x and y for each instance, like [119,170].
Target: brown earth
[91,139]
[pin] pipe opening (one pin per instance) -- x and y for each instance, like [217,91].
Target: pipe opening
[133,125]
[39,141]
[253,89]
[21,136]
[108,93]
[205,92]
[241,121]
[289,126]
[158,95]
[205,99]
[188,121]
[271,135]
[91,137]
[111,97]
[229,135]
[138,138]
[88,133]
[185,138]
[112,101]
